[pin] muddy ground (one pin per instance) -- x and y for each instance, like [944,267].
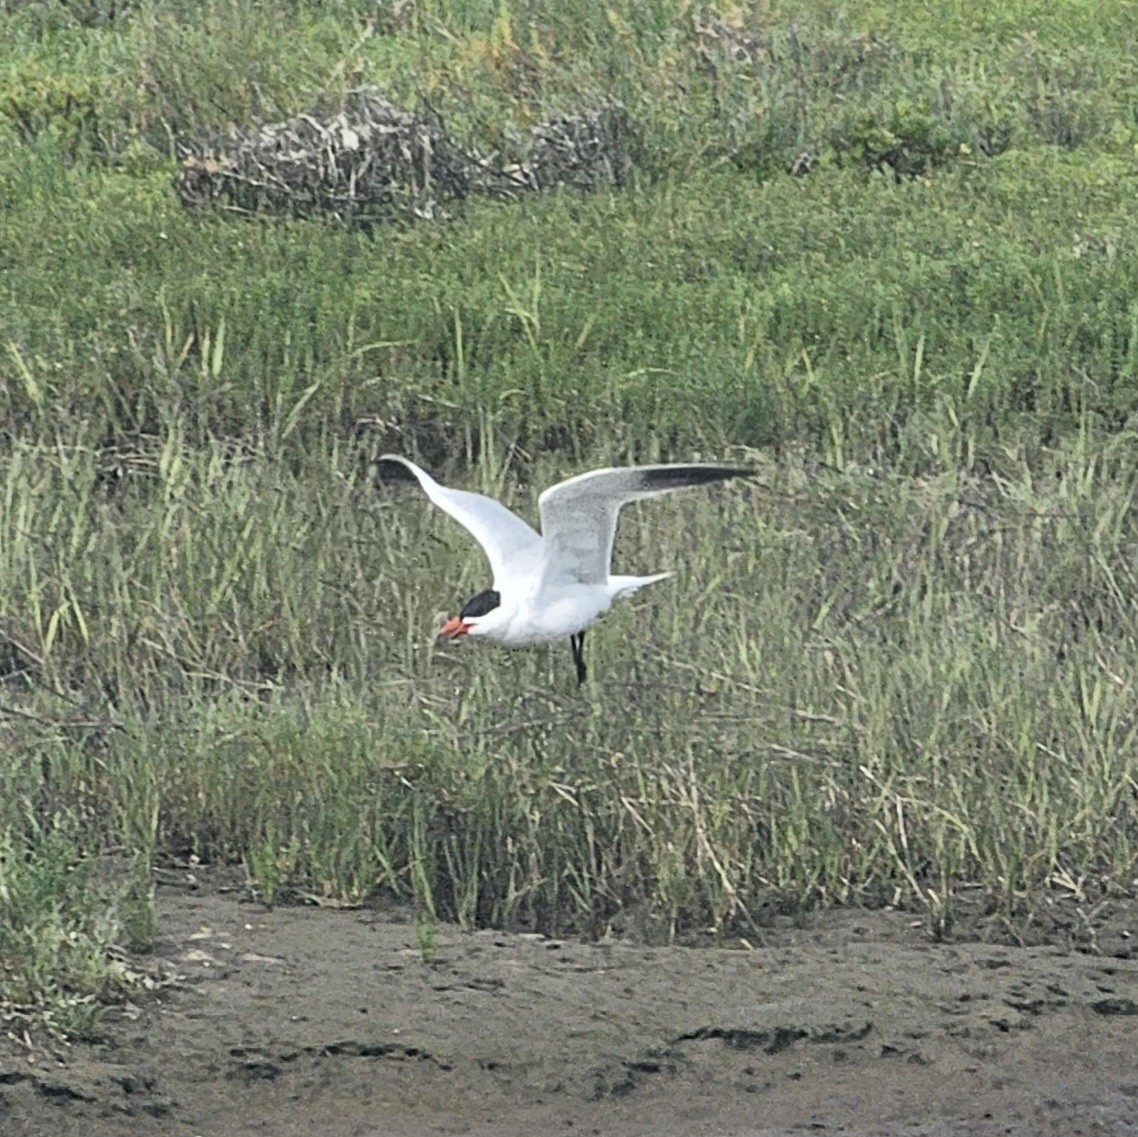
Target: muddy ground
[308,1021]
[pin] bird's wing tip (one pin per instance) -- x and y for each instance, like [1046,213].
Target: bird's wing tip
[682,476]
[395,468]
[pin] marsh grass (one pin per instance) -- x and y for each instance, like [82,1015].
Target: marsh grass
[888,259]
[860,689]
[59,924]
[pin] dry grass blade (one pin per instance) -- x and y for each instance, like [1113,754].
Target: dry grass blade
[366,161]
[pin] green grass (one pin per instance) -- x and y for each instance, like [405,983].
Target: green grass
[860,689]
[708,311]
[61,923]
[898,669]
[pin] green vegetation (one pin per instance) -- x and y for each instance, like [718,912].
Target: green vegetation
[888,255]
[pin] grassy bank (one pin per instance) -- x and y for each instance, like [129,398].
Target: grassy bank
[889,259]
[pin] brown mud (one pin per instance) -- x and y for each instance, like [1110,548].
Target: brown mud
[309,1021]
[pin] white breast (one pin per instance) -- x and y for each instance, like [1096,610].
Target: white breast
[553,613]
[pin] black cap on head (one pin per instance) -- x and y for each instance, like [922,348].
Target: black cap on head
[481,604]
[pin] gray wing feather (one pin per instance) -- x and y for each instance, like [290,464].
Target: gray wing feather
[507,540]
[578,516]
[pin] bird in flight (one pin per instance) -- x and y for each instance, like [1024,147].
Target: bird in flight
[556,583]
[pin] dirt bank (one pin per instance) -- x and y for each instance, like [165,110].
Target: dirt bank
[309,1021]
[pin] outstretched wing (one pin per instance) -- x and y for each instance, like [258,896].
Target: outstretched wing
[509,543]
[578,516]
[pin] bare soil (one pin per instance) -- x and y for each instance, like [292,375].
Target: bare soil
[309,1021]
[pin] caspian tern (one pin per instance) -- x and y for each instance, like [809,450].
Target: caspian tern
[555,583]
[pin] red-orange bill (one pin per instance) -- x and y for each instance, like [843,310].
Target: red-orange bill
[453,628]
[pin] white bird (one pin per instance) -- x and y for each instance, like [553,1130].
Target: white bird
[555,583]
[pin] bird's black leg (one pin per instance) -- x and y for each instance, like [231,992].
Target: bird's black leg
[578,643]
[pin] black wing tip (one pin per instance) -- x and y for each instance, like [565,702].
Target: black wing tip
[677,477]
[389,471]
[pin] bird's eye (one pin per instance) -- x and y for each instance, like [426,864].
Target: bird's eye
[481,604]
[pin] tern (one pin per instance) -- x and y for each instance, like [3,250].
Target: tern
[556,583]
